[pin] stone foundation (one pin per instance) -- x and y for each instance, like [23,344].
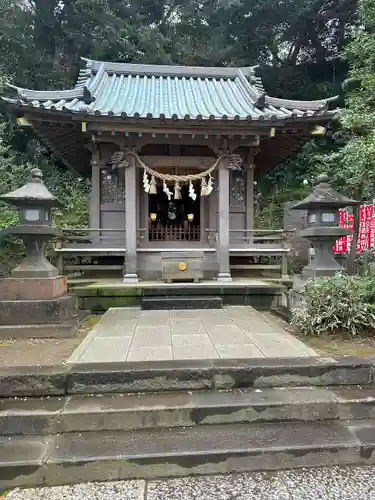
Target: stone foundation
[33,288]
[36,312]
[48,331]
[99,298]
[38,318]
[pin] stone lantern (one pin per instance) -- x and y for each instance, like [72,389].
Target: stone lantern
[34,300]
[322,231]
[323,226]
[35,203]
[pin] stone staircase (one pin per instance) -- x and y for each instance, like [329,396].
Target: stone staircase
[90,428]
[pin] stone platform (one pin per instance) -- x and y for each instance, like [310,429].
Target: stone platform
[129,334]
[100,295]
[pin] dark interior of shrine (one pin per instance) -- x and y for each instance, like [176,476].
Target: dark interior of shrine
[175,218]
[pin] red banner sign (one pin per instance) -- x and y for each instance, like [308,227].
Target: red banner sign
[366,237]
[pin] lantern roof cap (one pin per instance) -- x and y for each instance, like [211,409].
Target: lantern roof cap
[324,196]
[34,192]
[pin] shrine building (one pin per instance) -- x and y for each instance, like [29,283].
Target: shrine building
[173,153]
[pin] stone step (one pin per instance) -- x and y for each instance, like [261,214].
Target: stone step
[189,375]
[190,302]
[32,416]
[217,449]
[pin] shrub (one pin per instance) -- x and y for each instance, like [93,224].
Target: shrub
[367,287]
[335,304]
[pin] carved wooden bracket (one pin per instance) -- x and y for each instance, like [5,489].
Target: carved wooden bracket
[235,162]
[120,159]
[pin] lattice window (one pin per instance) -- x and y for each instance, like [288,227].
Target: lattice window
[238,187]
[112,186]
[178,232]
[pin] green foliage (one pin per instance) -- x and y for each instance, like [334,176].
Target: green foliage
[67,186]
[335,305]
[367,288]
[353,165]
[42,40]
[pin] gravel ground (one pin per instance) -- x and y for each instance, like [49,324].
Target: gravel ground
[119,490]
[39,352]
[351,483]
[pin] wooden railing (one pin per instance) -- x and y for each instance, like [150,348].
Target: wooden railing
[256,243]
[93,237]
[252,236]
[179,232]
[79,249]
[260,236]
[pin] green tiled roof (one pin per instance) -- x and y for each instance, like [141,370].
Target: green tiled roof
[169,92]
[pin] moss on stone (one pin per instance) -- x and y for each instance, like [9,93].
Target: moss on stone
[100,304]
[84,291]
[120,291]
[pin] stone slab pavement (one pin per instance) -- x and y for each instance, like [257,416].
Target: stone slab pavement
[129,334]
[335,483]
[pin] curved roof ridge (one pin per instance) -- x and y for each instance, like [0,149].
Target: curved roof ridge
[317,105]
[47,95]
[169,70]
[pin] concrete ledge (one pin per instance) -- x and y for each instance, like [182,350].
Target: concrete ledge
[182,452]
[102,456]
[185,375]
[63,330]
[114,412]
[260,295]
[33,381]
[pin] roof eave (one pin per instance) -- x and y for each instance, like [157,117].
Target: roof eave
[315,117]
[317,105]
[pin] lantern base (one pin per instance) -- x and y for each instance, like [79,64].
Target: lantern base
[64,330]
[316,272]
[33,288]
[324,262]
[35,267]
[53,317]
[34,312]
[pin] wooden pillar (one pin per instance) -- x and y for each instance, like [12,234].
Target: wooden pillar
[250,201]
[144,213]
[95,195]
[223,222]
[212,208]
[130,271]
[203,224]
